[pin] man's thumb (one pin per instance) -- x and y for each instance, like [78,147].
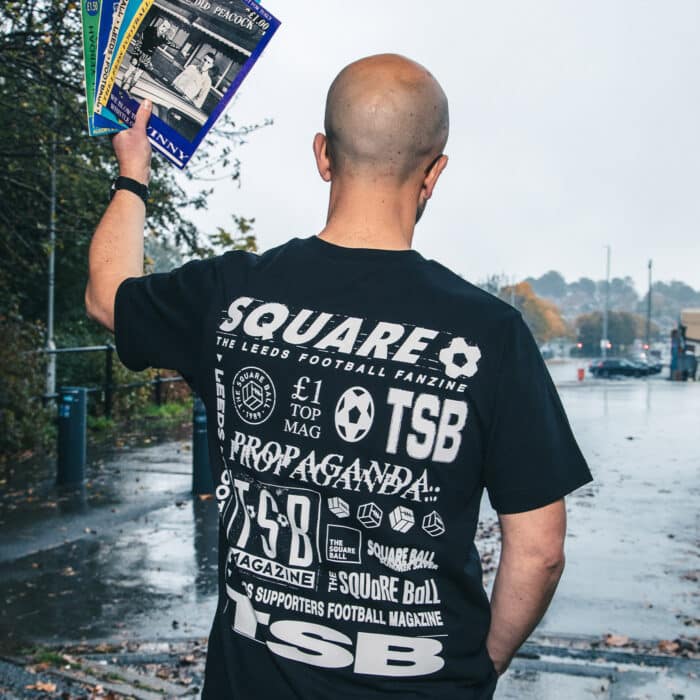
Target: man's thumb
[143,115]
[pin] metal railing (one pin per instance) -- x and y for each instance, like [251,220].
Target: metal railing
[71,403]
[108,387]
[71,458]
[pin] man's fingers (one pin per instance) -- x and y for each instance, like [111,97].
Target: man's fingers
[143,115]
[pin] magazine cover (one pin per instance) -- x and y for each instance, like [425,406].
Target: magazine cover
[188,57]
[134,14]
[111,13]
[90,19]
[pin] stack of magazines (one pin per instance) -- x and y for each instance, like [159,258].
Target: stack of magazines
[187,56]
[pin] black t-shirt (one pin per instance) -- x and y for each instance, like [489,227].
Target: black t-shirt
[358,402]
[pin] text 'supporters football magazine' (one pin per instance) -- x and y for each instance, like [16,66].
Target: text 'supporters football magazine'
[188,57]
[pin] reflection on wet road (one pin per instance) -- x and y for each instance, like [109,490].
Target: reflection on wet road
[155,577]
[137,557]
[632,544]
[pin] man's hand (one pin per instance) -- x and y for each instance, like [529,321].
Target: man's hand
[531,563]
[132,148]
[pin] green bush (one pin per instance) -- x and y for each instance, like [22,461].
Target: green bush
[100,424]
[170,411]
[26,425]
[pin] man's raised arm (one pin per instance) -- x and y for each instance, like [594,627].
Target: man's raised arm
[532,561]
[116,250]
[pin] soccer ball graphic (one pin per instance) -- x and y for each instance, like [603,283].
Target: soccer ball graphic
[354,414]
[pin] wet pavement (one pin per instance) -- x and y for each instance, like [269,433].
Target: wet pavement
[133,557]
[129,554]
[633,538]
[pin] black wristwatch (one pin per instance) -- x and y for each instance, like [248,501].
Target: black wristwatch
[128,183]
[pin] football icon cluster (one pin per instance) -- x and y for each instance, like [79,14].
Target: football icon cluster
[401,519]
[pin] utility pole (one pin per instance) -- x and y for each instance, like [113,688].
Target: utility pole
[649,310]
[604,340]
[50,344]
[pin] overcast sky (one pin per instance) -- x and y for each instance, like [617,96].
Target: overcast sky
[573,125]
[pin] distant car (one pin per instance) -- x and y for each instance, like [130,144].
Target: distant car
[619,367]
[648,361]
[652,367]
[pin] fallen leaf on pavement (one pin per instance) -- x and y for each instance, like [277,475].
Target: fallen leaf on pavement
[41,685]
[616,640]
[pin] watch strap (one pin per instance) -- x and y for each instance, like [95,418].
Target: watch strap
[128,183]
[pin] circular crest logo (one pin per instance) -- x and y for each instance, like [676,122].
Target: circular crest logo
[253,395]
[354,414]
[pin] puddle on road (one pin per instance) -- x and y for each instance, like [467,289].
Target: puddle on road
[158,577]
[632,532]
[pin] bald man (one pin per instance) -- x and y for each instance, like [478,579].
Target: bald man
[360,398]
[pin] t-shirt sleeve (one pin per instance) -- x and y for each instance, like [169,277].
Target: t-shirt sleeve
[159,318]
[532,458]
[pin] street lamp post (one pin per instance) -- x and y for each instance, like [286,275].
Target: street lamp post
[649,310]
[606,307]
[50,344]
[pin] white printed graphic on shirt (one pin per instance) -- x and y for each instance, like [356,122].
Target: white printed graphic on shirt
[349,335]
[253,395]
[343,544]
[368,653]
[402,559]
[354,414]
[436,425]
[452,356]
[333,470]
[305,409]
[288,550]
[272,531]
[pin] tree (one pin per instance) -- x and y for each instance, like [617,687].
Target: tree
[623,295]
[42,110]
[542,316]
[623,328]
[667,301]
[552,285]
[584,285]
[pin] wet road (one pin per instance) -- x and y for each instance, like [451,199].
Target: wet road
[137,558]
[633,537]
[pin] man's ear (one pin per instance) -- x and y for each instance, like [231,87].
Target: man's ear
[432,176]
[323,162]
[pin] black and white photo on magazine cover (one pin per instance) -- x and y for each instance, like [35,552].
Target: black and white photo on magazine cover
[185,56]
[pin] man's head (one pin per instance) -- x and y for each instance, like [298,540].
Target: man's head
[207,62]
[386,122]
[386,119]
